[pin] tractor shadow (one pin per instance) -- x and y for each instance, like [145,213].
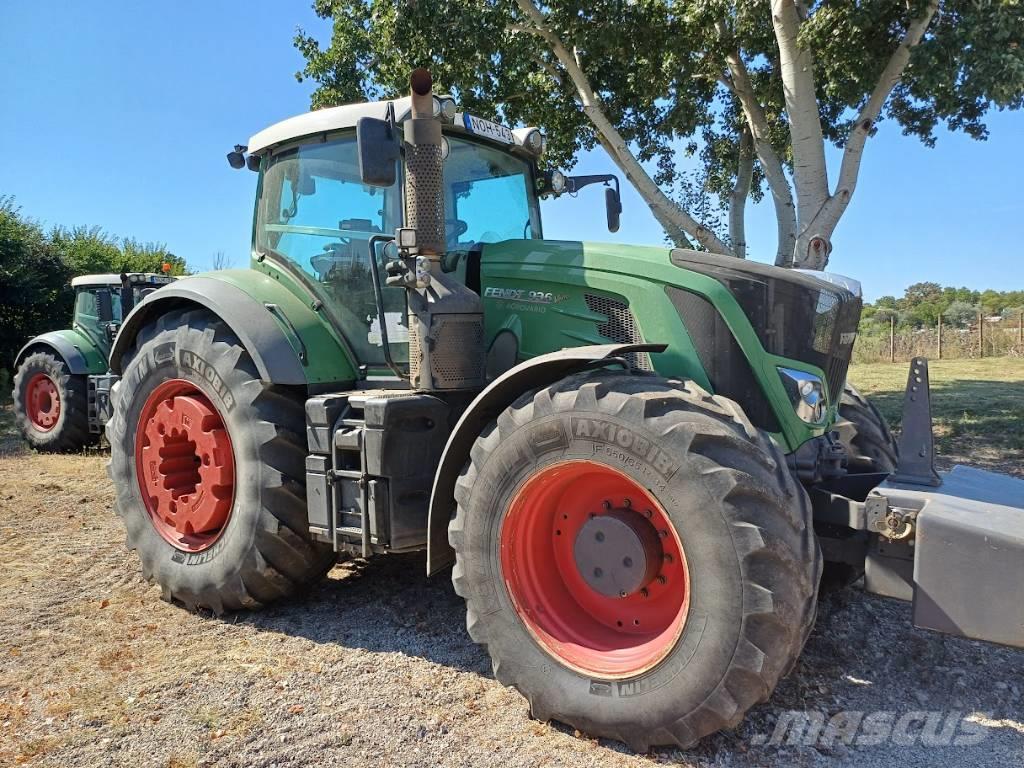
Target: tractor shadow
[385,605]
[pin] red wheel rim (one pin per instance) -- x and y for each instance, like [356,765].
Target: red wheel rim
[185,466]
[549,523]
[42,402]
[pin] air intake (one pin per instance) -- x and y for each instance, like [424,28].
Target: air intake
[619,326]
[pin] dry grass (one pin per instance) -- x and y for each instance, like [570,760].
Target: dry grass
[374,667]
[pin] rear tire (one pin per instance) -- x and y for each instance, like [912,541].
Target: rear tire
[51,404]
[744,526]
[870,446]
[262,550]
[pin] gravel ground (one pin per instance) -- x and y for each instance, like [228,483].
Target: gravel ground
[374,667]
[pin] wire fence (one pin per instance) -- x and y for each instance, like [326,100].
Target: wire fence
[987,337]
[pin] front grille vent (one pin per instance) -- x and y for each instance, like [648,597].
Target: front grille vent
[619,326]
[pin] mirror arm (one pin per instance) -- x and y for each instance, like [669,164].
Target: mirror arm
[576,183]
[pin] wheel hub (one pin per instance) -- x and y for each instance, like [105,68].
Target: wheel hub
[595,569]
[42,402]
[617,554]
[185,466]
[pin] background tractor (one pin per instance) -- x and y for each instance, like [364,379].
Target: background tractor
[628,453]
[61,381]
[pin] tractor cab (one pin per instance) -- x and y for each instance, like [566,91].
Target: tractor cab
[329,219]
[102,302]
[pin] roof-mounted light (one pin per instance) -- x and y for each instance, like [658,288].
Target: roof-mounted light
[445,107]
[530,139]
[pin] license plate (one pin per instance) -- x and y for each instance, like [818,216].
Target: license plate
[482,127]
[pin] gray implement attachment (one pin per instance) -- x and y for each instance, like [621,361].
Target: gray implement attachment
[950,542]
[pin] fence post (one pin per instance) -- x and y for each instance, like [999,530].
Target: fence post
[1020,330]
[981,334]
[892,339]
[938,340]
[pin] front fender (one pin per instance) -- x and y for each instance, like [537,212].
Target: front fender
[536,372]
[80,354]
[287,340]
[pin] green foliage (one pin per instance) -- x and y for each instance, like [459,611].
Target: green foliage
[33,281]
[90,250]
[658,67]
[922,303]
[36,268]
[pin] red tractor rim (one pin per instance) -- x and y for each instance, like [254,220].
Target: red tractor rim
[42,402]
[185,466]
[595,569]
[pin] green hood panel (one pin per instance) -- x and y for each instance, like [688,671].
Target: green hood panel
[549,294]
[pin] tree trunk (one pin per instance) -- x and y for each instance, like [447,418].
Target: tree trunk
[818,212]
[740,192]
[677,222]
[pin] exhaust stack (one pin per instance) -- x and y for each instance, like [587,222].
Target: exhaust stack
[446,321]
[424,191]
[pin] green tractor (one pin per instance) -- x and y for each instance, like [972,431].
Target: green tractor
[627,453]
[61,381]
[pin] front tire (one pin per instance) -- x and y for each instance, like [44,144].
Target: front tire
[51,404]
[208,465]
[688,647]
[870,446]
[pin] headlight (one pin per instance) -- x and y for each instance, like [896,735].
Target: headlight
[557,182]
[807,394]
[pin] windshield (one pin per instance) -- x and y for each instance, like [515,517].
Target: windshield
[314,212]
[487,196]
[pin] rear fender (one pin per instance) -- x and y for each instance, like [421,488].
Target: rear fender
[536,372]
[286,339]
[79,354]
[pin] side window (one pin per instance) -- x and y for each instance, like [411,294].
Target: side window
[86,305]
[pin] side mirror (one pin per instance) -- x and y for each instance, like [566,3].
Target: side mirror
[106,306]
[613,207]
[378,152]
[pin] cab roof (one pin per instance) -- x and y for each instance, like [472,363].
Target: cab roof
[115,279]
[339,118]
[324,120]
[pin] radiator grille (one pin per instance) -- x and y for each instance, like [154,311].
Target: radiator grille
[619,326]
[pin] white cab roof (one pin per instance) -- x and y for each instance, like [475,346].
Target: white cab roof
[324,120]
[95,280]
[112,279]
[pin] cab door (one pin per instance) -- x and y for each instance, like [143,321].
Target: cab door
[95,315]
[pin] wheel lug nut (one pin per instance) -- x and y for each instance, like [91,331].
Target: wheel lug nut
[662,579]
[667,557]
[622,593]
[663,533]
[644,592]
[648,514]
[627,503]
[606,504]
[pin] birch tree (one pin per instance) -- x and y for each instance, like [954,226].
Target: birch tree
[752,89]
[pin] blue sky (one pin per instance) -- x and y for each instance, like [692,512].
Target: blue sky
[119,114]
